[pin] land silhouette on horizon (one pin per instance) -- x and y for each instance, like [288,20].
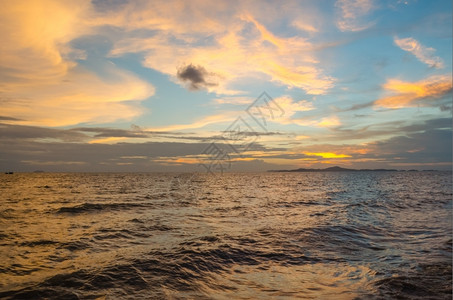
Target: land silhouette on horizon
[337,169]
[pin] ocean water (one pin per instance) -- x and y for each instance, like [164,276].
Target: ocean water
[338,235]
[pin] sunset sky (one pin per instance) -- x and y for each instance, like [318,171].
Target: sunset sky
[156,85]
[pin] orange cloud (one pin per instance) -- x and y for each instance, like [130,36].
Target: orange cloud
[108,140]
[43,85]
[80,97]
[329,122]
[177,160]
[327,154]
[408,94]
[290,61]
[34,40]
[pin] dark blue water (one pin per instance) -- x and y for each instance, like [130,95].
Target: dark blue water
[346,235]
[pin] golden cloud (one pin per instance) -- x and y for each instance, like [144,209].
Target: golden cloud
[289,61]
[78,97]
[327,154]
[41,86]
[407,94]
[33,40]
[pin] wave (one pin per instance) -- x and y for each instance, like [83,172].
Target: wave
[96,207]
[432,281]
[241,236]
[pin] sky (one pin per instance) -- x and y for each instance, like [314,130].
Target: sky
[225,86]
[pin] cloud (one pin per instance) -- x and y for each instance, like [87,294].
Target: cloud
[29,155]
[422,53]
[20,132]
[102,135]
[78,97]
[326,122]
[304,26]
[332,121]
[196,76]
[34,41]
[239,47]
[290,108]
[417,147]
[234,100]
[351,14]
[111,132]
[327,154]
[286,103]
[430,146]
[41,83]
[5,118]
[423,92]
[223,117]
[426,145]
[385,130]
[356,106]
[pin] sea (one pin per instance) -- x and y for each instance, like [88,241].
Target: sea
[317,235]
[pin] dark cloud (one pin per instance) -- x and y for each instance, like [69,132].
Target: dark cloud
[28,155]
[27,148]
[359,106]
[15,132]
[445,107]
[195,76]
[432,124]
[8,131]
[393,128]
[433,146]
[5,118]
[110,132]
[83,134]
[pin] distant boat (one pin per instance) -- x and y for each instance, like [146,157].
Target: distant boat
[9,172]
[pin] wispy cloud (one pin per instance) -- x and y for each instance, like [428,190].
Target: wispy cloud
[326,122]
[286,103]
[352,13]
[423,92]
[223,117]
[234,100]
[304,26]
[422,53]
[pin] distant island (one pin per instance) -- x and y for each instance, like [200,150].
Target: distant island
[335,169]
